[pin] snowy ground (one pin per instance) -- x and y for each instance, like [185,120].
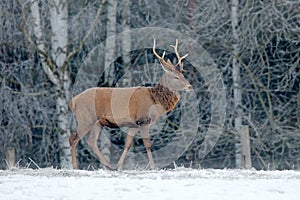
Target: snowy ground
[172,184]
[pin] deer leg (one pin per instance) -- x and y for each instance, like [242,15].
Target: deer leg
[92,142]
[147,144]
[129,140]
[73,140]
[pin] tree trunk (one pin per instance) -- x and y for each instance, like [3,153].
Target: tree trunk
[126,40]
[55,63]
[126,48]
[10,158]
[110,45]
[109,71]
[55,68]
[59,42]
[237,94]
[298,108]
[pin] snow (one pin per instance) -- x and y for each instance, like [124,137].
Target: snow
[175,184]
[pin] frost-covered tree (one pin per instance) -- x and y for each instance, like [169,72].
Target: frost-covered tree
[44,43]
[44,28]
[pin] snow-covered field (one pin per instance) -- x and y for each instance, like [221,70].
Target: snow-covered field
[170,184]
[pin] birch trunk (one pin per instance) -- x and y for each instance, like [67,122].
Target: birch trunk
[55,63]
[126,48]
[298,109]
[59,42]
[126,40]
[38,32]
[237,94]
[109,72]
[110,45]
[55,68]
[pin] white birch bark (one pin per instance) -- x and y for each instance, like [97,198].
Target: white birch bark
[110,45]
[54,67]
[298,109]
[55,63]
[38,32]
[126,48]
[59,41]
[110,48]
[126,40]
[237,94]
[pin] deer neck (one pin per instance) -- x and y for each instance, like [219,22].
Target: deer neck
[162,95]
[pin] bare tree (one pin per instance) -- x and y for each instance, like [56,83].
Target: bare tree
[237,93]
[109,60]
[55,60]
[254,43]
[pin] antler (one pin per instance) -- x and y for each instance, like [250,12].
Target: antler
[178,56]
[168,63]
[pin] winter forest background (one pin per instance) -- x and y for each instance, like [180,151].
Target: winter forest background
[255,45]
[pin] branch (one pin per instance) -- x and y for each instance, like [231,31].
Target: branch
[84,39]
[26,93]
[254,80]
[49,66]
[3,84]
[267,89]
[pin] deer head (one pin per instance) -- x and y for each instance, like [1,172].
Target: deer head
[173,77]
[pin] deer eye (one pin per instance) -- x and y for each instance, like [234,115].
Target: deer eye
[177,78]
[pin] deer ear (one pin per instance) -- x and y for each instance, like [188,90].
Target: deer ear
[169,61]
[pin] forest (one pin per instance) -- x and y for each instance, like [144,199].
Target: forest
[243,65]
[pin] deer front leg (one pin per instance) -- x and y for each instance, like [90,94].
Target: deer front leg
[92,142]
[147,144]
[128,143]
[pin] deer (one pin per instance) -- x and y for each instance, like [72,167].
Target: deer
[134,107]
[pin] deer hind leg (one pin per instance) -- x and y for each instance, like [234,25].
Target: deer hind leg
[73,140]
[147,144]
[92,143]
[129,140]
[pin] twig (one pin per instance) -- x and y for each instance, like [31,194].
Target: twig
[84,39]
[252,76]
[34,163]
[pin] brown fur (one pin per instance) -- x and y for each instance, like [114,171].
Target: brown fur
[164,96]
[117,107]
[137,112]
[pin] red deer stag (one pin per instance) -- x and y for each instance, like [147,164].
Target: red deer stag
[134,107]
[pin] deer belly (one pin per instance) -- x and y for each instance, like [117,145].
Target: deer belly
[131,123]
